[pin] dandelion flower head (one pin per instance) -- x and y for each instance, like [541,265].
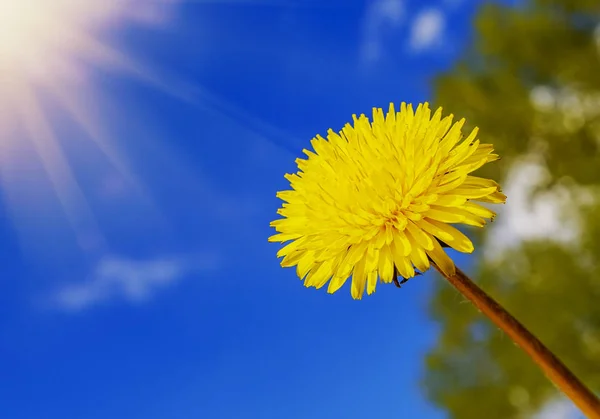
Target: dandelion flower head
[377,200]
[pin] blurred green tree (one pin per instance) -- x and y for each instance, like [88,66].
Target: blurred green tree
[531,82]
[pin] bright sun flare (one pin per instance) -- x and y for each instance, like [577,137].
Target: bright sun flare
[53,45]
[44,39]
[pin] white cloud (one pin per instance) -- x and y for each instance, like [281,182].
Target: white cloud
[380,15]
[118,278]
[427,29]
[528,217]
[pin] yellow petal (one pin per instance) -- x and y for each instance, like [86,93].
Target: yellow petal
[452,237]
[371,282]
[359,279]
[345,267]
[321,275]
[380,239]
[493,198]
[336,283]
[289,196]
[292,259]
[427,225]
[468,217]
[419,258]
[461,152]
[401,261]
[404,266]
[492,157]
[421,238]
[305,264]
[450,200]
[314,271]
[386,265]
[453,136]
[372,259]
[474,193]
[444,214]
[356,252]
[479,210]
[401,242]
[441,259]
[281,237]
[481,182]
[450,186]
[291,247]
[467,167]
[453,177]
[474,220]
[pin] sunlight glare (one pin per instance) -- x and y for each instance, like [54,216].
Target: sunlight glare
[55,44]
[39,38]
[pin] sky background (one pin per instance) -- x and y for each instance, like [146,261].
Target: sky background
[139,163]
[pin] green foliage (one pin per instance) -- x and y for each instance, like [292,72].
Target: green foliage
[531,82]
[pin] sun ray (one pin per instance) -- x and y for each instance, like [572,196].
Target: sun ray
[59,172]
[50,47]
[79,111]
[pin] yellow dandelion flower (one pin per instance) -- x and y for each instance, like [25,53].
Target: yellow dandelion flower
[376,200]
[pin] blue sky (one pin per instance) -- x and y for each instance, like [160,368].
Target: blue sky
[136,276]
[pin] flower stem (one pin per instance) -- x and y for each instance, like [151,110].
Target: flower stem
[554,369]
